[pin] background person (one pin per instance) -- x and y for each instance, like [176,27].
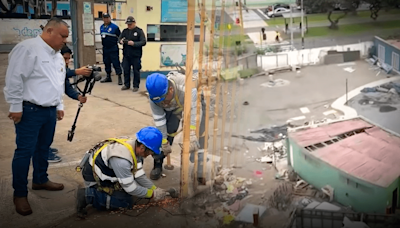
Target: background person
[133,39]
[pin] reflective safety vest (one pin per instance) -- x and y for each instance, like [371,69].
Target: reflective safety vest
[96,168]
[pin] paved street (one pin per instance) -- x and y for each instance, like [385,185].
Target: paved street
[381,108]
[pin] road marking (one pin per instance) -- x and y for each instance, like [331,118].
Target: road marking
[329,112]
[305,110]
[262,13]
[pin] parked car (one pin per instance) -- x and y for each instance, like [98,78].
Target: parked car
[278,12]
[276,6]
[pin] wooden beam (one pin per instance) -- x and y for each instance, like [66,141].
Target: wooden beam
[218,86]
[224,97]
[199,87]
[238,120]
[188,99]
[208,89]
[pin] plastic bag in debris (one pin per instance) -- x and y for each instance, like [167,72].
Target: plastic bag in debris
[368,90]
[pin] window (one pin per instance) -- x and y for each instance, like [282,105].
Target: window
[170,33]
[395,61]
[381,53]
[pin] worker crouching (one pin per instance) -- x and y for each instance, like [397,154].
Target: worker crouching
[113,172]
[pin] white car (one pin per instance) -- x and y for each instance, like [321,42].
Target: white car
[278,12]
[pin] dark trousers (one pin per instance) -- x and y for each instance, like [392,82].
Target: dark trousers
[173,122]
[111,55]
[98,199]
[127,63]
[34,135]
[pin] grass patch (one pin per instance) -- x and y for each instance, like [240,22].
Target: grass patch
[316,18]
[352,29]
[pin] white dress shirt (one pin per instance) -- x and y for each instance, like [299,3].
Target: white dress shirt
[35,73]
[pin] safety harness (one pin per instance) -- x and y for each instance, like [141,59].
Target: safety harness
[116,186]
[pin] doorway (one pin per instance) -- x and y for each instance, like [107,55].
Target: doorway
[394,200]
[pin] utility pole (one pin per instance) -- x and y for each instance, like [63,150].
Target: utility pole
[188,99]
[84,39]
[302,25]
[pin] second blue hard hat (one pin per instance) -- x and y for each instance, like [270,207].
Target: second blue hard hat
[157,86]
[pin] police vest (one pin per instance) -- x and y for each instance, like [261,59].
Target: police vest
[97,169]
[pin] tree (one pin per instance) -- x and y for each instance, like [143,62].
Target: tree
[376,5]
[328,6]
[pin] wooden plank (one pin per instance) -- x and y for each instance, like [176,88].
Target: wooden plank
[208,88]
[199,88]
[184,185]
[218,86]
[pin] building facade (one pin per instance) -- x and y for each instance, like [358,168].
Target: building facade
[357,159]
[388,51]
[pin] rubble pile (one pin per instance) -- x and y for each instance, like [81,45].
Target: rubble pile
[282,197]
[268,134]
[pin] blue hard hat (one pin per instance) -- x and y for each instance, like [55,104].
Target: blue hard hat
[157,86]
[151,137]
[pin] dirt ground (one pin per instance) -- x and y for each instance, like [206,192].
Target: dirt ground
[111,112]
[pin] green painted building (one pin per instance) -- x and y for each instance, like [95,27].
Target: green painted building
[358,159]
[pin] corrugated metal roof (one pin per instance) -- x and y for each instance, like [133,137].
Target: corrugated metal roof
[373,156]
[327,132]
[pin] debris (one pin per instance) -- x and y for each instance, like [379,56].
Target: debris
[246,214]
[328,191]
[282,197]
[246,103]
[269,134]
[301,184]
[292,176]
[258,173]
[265,159]
[327,207]
[163,175]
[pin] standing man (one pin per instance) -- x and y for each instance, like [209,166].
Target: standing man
[109,39]
[69,91]
[167,96]
[34,89]
[133,40]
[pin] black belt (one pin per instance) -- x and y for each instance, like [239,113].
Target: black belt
[39,106]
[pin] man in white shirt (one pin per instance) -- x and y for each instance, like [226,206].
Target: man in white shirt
[34,89]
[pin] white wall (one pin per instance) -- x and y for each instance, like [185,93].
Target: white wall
[307,56]
[16,30]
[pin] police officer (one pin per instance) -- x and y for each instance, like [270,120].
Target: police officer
[113,172]
[133,40]
[109,38]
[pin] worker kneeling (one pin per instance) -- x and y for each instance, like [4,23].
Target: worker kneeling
[113,172]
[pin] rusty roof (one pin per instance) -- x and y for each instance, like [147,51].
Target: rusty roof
[372,156]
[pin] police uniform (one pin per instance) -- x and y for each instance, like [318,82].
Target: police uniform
[109,39]
[132,54]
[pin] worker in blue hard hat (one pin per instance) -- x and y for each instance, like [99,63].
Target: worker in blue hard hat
[167,95]
[113,172]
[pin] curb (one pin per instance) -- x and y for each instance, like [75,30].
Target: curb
[348,112]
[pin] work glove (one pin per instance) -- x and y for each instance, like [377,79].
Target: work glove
[159,194]
[194,142]
[166,148]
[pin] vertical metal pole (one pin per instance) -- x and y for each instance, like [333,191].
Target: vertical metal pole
[347,91]
[291,27]
[74,27]
[302,25]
